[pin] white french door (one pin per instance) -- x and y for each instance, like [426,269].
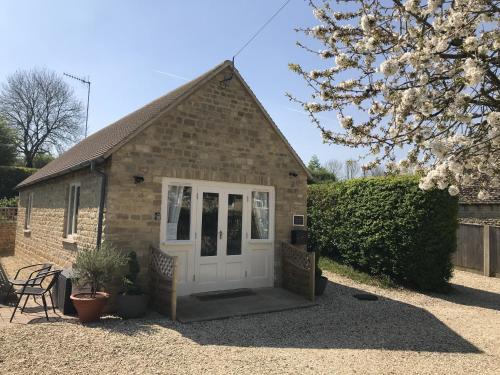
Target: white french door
[220,255]
[221,233]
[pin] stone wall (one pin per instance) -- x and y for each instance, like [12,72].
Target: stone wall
[7,237]
[479,211]
[46,239]
[217,134]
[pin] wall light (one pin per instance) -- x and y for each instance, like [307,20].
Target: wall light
[138,179]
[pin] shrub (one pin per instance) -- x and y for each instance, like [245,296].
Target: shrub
[95,267]
[10,177]
[386,226]
[8,202]
[130,283]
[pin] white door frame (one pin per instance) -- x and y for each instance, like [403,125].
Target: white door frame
[257,256]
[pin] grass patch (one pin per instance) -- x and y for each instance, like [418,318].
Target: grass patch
[331,265]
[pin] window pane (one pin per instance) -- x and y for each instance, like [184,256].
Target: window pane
[234,223]
[71,209]
[209,224]
[179,212]
[29,205]
[260,215]
[77,206]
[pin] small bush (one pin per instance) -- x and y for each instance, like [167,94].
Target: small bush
[10,177]
[386,226]
[95,267]
[8,202]
[130,282]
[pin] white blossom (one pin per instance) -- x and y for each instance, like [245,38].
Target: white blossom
[342,60]
[389,67]
[366,22]
[453,190]
[483,194]
[424,74]
[473,72]
[345,121]
[493,119]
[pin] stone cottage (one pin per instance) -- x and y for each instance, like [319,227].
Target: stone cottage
[202,173]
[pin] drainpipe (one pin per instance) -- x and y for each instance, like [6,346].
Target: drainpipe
[102,200]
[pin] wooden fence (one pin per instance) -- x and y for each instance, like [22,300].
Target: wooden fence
[163,280]
[298,270]
[478,249]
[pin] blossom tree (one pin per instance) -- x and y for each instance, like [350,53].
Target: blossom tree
[423,77]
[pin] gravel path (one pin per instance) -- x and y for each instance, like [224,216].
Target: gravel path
[401,333]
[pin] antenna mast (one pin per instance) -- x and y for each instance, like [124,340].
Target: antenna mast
[86,82]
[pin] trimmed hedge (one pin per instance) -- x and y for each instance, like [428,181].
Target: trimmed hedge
[386,226]
[10,177]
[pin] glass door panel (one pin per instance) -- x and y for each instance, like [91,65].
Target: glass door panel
[209,224]
[234,223]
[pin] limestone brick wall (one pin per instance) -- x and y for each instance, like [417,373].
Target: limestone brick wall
[217,134]
[46,239]
[7,237]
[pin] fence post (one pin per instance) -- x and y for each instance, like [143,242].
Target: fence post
[487,251]
[173,294]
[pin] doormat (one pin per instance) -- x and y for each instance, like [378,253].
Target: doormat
[225,295]
[365,297]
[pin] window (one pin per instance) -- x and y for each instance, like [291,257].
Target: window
[29,208]
[73,206]
[179,213]
[260,215]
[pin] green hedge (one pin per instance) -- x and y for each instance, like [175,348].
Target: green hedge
[386,226]
[10,177]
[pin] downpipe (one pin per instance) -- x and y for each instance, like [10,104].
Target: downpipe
[102,200]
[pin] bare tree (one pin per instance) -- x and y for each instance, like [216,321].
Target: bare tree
[376,171]
[335,167]
[352,169]
[42,110]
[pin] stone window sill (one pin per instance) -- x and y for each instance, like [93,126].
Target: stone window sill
[69,240]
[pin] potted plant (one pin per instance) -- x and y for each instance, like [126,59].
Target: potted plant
[94,267]
[132,303]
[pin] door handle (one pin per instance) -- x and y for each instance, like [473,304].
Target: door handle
[220,234]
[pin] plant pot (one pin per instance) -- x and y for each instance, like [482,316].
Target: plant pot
[320,283]
[131,305]
[89,309]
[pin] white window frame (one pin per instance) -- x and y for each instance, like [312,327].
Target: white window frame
[271,204]
[164,215]
[303,220]
[29,211]
[70,223]
[229,186]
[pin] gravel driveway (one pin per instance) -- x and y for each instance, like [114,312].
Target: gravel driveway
[401,333]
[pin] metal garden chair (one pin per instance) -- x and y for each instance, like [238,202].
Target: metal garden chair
[38,269]
[37,291]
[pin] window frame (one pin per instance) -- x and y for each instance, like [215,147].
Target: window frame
[29,211]
[164,221]
[270,213]
[71,217]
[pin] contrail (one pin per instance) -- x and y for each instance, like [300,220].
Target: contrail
[171,75]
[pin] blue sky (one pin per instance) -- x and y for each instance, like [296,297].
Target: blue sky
[124,45]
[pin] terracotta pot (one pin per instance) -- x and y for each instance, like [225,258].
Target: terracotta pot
[89,309]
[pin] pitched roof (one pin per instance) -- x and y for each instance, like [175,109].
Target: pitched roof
[468,195]
[104,142]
